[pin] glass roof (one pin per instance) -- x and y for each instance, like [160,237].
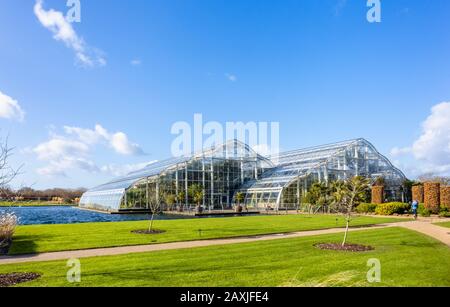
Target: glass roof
[299,163]
[232,149]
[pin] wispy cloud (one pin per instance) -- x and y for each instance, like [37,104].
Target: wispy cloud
[10,108]
[63,31]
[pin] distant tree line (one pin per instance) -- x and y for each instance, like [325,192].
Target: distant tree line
[30,194]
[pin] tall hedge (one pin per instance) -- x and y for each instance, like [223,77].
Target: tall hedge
[445,196]
[432,191]
[377,194]
[417,193]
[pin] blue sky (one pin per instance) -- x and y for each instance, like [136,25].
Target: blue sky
[319,68]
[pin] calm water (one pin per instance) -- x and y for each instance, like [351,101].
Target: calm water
[70,215]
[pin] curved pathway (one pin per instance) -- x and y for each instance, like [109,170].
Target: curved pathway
[423,226]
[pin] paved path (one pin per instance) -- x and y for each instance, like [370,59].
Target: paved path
[423,226]
[171,246]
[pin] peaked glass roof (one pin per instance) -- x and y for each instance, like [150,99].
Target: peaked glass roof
[230,150]
[299,163]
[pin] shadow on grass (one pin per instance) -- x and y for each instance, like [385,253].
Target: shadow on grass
[24,245]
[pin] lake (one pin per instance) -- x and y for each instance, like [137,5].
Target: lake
[72,215]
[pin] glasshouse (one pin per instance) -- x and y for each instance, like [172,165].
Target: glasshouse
[222,172]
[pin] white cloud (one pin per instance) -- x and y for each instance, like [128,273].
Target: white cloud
[62,154]
[60,148]
[59,167]
[434,144]
[63,31]
[431,151]
[122,145]
[72,151]
[231,77]
[118,141]
[87,136]
[10,108]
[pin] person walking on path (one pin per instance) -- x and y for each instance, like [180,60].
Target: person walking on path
[415,208]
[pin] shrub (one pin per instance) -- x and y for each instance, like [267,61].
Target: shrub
[8,223]
[423,211]
[307,199]
[445,212]
[392,208]
[366,208]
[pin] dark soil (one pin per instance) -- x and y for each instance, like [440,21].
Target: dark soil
[147,232]
[346,247]
[12,279]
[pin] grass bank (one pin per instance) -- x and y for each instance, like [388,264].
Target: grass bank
[49,238]
[443,224]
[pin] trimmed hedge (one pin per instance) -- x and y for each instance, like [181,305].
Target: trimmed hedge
[445,197]
[377,194]
[432,196]
[366,208]
[392,208]
[417,193]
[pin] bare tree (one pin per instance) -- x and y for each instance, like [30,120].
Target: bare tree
[347,195]
[7,172]
[8,221]
[435,178]
[155,208]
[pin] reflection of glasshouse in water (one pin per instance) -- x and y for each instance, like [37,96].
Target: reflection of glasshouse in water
[267,182]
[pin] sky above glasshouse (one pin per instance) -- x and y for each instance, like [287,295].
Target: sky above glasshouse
[89,94]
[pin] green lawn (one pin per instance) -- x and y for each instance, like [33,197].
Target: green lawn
[407,259]
[30,204]
[444,224]
[47,238]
